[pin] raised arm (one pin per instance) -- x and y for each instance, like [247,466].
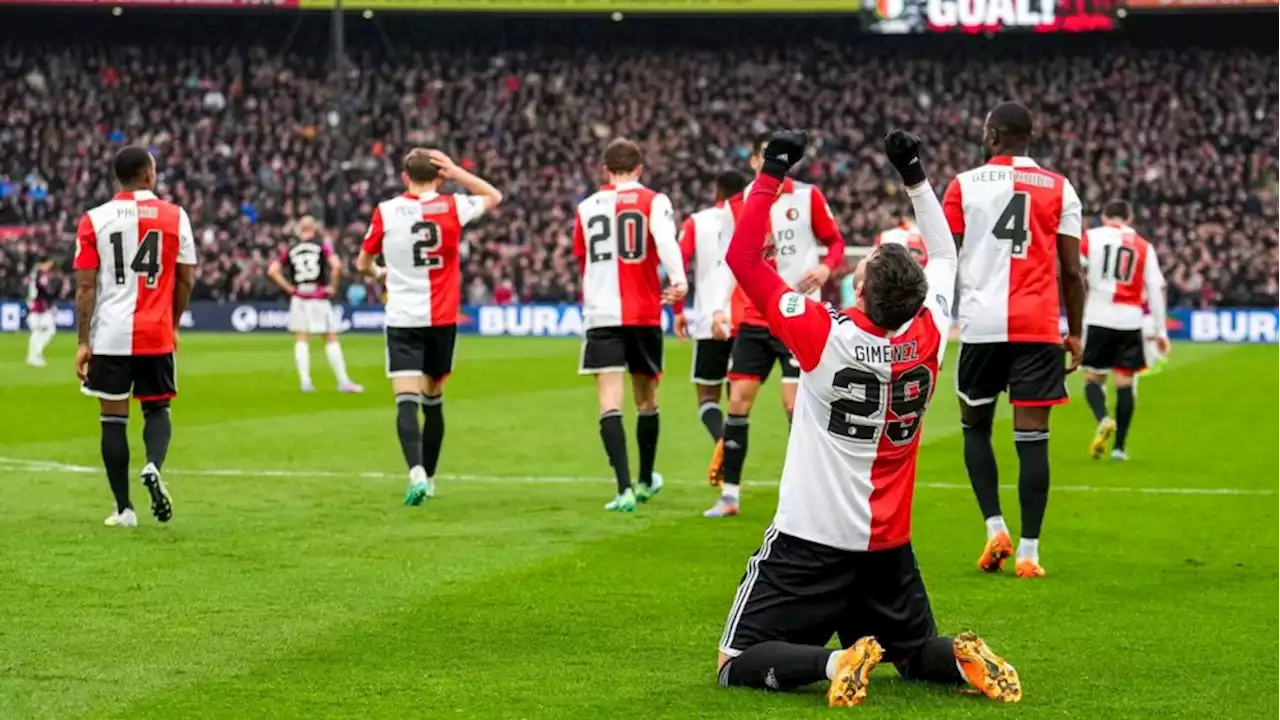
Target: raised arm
[903,150]
[490,197]
[800,323]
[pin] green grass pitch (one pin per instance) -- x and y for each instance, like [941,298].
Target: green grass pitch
[293,584]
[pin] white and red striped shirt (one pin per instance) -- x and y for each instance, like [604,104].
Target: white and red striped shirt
[909,235]
[135,241]
[620,236]
[1011,212]
[1123,274]
[419,238]
[800,221]
[704,237]
[849,474]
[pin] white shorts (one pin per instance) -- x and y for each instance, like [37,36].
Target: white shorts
[311,315]
[45,321]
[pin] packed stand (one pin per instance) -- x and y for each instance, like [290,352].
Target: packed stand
[243,141]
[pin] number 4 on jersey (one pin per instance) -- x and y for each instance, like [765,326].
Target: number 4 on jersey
[1012,225]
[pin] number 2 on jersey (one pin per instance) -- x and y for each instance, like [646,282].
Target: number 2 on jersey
[146,261]
[1011,226]
[857,416]
[427,243]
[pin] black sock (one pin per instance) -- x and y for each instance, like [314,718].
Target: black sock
[115,457]
[934,662]
[980,461]
[157,431]
[647,441]
[1125,405]
[1033,478]
[407,428]
[1096,394]
[432,431]
[776,665]
[735,447]
[713,418]
[615,446]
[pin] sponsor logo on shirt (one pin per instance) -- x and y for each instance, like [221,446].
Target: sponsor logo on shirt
[791,304]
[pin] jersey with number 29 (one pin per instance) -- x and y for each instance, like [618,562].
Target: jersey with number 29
[135,241]
[1011,212]
[419,238]
[850,468]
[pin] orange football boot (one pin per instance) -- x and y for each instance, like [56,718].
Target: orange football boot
[715,472]
[1029,569]
[986,671]
[999,548]
[853,672]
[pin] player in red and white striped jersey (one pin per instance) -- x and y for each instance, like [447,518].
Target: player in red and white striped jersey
[703,240]
[135,266]
[837,559]
[622,233]
[800,223]
[418,234]
[1124,276]
[308,271]
[1018,227]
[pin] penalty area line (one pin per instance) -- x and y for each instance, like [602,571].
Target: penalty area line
[44,466]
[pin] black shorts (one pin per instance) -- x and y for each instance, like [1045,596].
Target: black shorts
[145,377]
[634,348]
[801,592]
[711,361]
[755,350]
[418,351]
[1107,349]
[1034,374]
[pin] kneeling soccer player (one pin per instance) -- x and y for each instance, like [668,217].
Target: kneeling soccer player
[838,559]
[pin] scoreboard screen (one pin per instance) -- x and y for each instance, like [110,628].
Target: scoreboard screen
[991,16]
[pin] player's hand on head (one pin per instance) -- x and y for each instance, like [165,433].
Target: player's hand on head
[442,161]
[903,150]
[784,149]
[814,278]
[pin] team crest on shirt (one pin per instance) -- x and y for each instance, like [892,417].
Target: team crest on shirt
[791,304]
[793,214]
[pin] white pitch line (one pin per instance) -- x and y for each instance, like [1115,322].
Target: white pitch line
[54,467]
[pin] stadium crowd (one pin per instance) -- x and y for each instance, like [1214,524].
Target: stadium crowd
[243,138]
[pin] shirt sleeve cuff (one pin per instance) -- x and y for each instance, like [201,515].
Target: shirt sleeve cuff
[920,189]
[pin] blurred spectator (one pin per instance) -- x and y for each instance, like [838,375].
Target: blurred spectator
[243,139]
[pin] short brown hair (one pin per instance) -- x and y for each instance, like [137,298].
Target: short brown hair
[622,156]
[894,286]
[417,165]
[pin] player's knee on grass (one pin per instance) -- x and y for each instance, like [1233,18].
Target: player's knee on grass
[933,661]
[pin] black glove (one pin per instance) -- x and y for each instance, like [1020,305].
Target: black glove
[785,148]
[903,150]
